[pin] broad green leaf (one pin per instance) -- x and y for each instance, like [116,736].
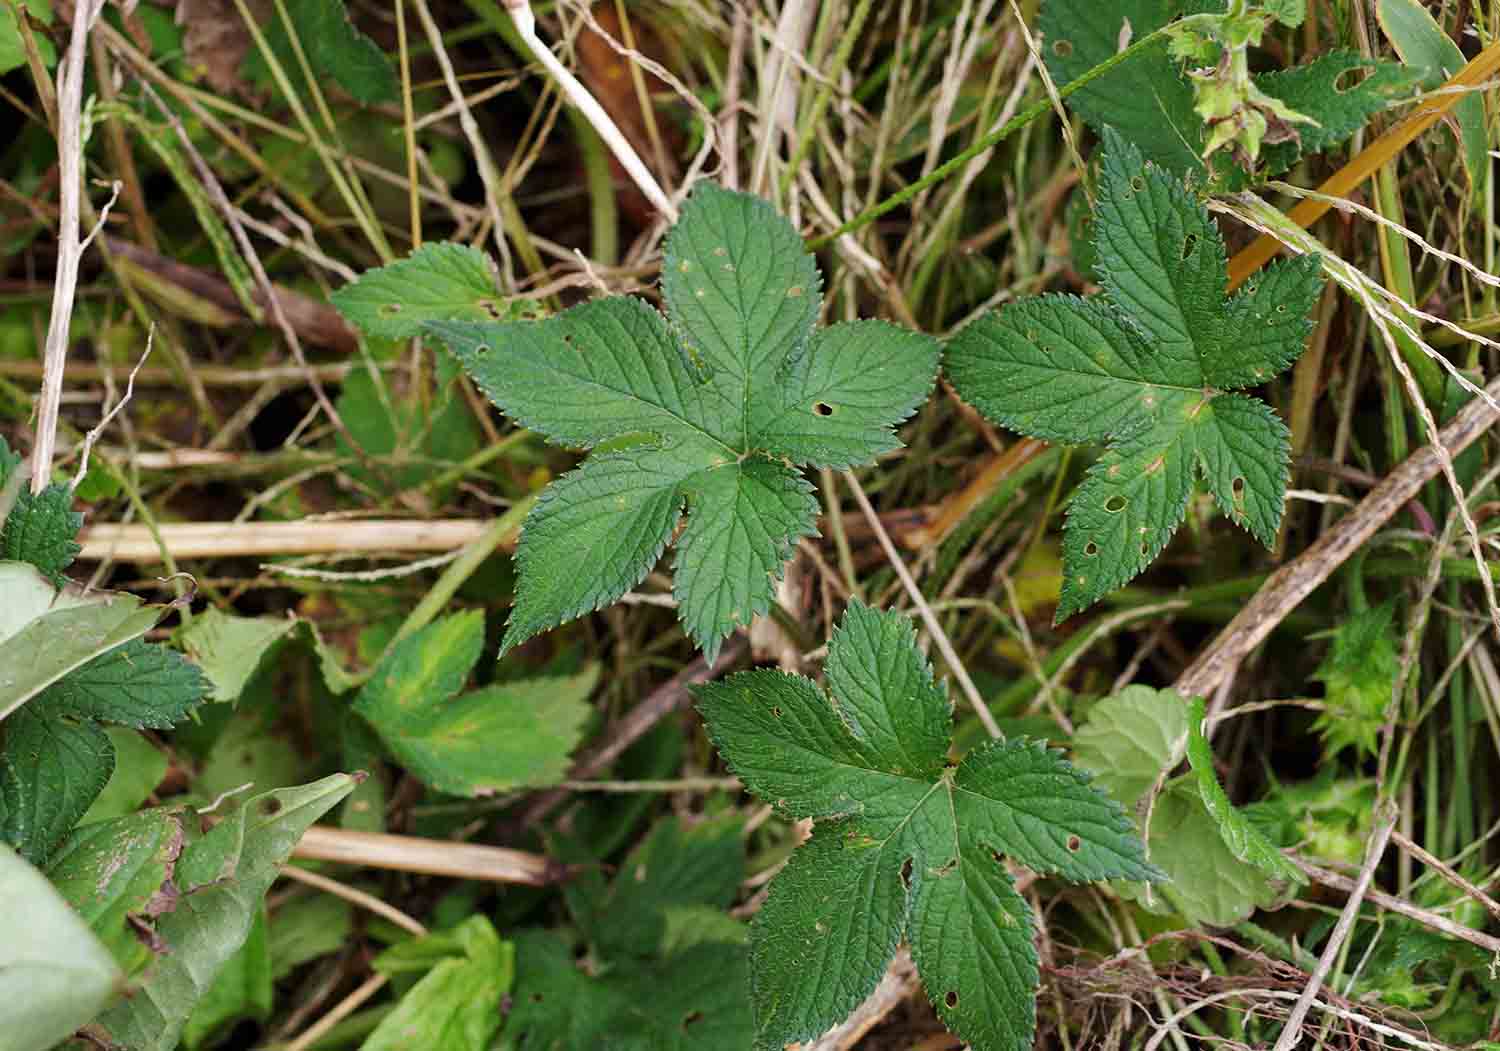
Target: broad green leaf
[222,878]
[440,281]
[12,51]
[117,874]
[708,410]
[1150,101]
[1131,739]
[1205,882]
[247,753]
[515,734]
[139,684]
[229,649]
[905,846]
[456,1005]
[41,529]
[51,770]
[1145,369]
[1359,676]
[1434,56]
[139,768]
[306,928]
[335,49]
[1246,841]
[47,633]
[54,975]
[242,989]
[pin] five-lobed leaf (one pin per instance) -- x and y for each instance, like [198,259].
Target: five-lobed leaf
[905,846]
[707,411]
[1145,369]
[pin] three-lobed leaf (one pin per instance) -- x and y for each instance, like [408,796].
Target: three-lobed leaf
[708,411]
[1146,369]
[905,846]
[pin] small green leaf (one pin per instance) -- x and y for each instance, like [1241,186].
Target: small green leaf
[439,281]
[1144,369]
[139,684]
[229,649]
[117,875]
[1131,739]
[719,401]
[904,845]
[1247,842]
[1205,883]
[334,49]
[42,529]
[515,734]
[54,975]
[222,878]
[1358,676]
[51,770]
[456,1005]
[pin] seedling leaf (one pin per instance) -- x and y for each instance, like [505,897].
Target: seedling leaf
[1144,369]
[441,281]
[905,846]
[708,411]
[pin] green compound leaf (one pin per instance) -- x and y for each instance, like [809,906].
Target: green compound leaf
[709,410]
[905,846]
[437,282]
[511,735]
[1247,842]
[1144,369]
[139,684]
[51,770]
[1150,100]
[41,529]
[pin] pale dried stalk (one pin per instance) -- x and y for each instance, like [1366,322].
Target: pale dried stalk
[432,857]
[355,896]
[69,247]
[134,543]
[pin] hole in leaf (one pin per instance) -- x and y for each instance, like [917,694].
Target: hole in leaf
[1238,487]
[492,309]
[1281,308]
[1091,549]
[389,309]
[1145,549]
[1351,78]
[270,807]
[1137,183]
[1115,504]
[951,999]
[1074,843]
[692,1016]
[1189,245]
[1062,48]
[822,408]
[776,712]
[481,350]
[906,874]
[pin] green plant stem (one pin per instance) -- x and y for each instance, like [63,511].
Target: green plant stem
[1004,132]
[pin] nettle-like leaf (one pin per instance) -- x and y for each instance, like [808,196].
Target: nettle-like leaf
[437,282]
[1358,674]
[905,845]
[711,409]
[1150,100]
[1145,369]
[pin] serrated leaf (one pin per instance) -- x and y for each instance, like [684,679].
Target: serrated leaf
[1358,676]
[45,633]
[229,649]
[904,845]
[439,281]
[1131,739]
[1246,841]
[1149,99]
[455,1006]
[511,735]
[41,529]
[139,684]
[51,770]
[222,877]
[704,410]
[116,874]
[1145,369]
[54,974]
[334,48]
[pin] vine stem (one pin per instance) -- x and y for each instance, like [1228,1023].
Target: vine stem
[939,636]
[1008,129]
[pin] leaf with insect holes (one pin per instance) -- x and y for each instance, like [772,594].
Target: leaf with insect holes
[905,845]
[441,281]
[710,410]
[1144,369]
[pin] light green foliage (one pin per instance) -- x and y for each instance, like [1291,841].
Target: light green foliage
[669,964]
[50,771]
[139,768]
[1246,841]
[138,684]
[1432,54]
[398,429]
[1358,676]
[437,282]
[12,51]
[1328,817]
[1144,369]
[307,928]
[906,846]
[514,734]
[335,49]
[115,874]
[455,1006]
[1130,739]
[40,529]
[711,409]
[242,989]
[229,649]
[1150,100]
[54,974]
[222,878]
